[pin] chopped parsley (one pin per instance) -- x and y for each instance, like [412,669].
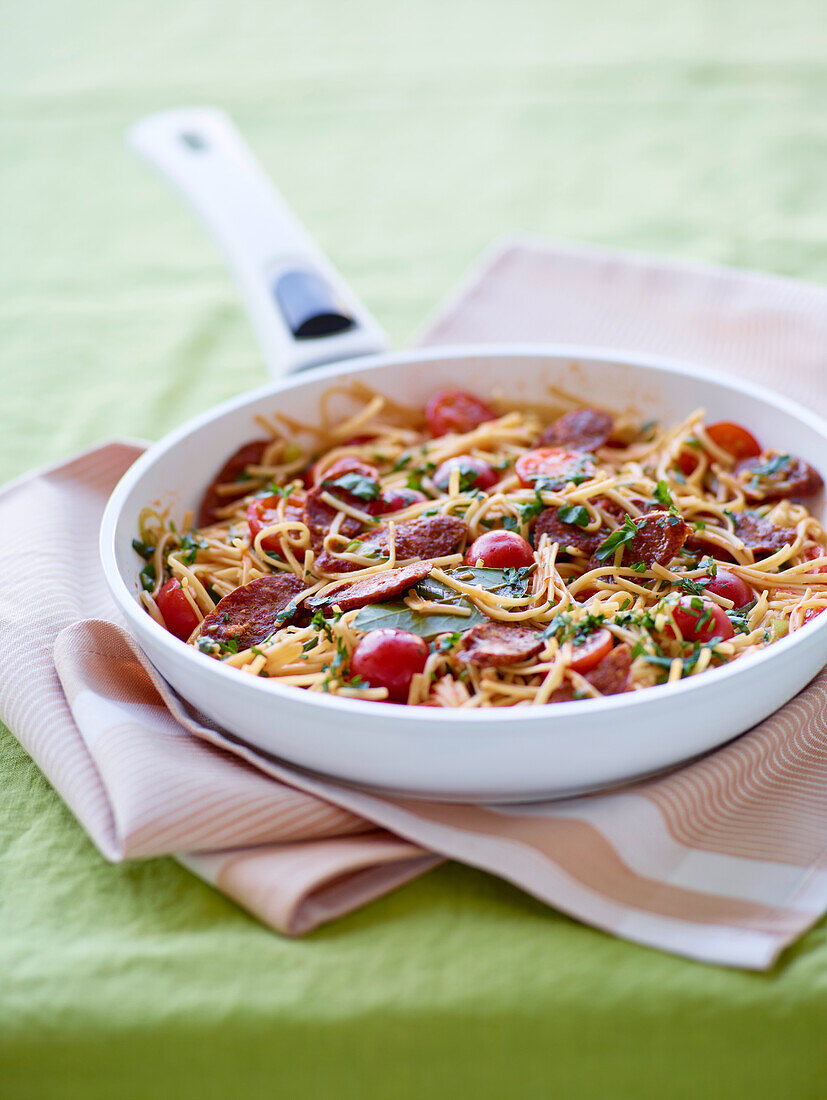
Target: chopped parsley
[143,549]
[190,545]
[365,488]
[574,513]
[638,566]
[663,496]
[739,617]
[148,577]
[693,587]
[621,537]
[767,470]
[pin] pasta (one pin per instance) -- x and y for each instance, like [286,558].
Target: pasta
[481,554]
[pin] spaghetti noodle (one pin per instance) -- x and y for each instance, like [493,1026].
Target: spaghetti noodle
[477,555]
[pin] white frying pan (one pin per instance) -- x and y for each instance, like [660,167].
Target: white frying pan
[310,318]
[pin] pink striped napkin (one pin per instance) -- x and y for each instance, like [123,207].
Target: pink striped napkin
[722,861]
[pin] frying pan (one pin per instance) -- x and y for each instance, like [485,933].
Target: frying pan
[311,318]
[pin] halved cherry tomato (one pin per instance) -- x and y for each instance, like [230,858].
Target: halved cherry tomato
[394,500]
[553,464]
[810,614]
[500,550]
[179,617]
[699,620]
[731,587]
[263,511]
[814,552]
[592,650]
[472,470]
[456,411]
[389,659]
[734,439]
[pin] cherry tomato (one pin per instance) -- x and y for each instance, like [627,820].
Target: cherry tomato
[473,470]
[813,552]
[734,439]
[389,659]
[729,586]
[552,463]
[263,511]
[500,550]
[347,464]
[179,617]
[702,622]
[456,411]
[687,461]
[810,614]
[592,650]
[394,500]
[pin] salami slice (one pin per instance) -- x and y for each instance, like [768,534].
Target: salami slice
[426,537]
[498,644]
[660,537]
[770,476]
[233,469]
[254,611]
[582,430]
[761,536]
[318,516]
[610,677]
[568,535]
[373,589]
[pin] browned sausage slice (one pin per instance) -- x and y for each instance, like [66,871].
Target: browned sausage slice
[761,536]
[253,611]
[610,677]
[318,516]
[373,589]
[582,430]
[660,536]
[772,476]
[568,535]
[498,644]
[426,537]
[233,469]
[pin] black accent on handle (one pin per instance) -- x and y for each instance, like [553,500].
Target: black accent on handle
[309,305]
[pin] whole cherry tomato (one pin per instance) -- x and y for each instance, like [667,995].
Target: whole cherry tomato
[699,620]
[179,617]
[456,411]
[731,587]
[389,659]
[474,473]
[500,550]
[592,650]
[552,464]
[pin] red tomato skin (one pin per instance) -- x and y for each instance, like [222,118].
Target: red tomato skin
[456,411]
[500,550]
[394,500]
[687,462]
[810,614]
[687,618]
[389,659]
[734,439]
[592,651]
[179,617]
[484,476]
[549,462]
[731,587]
[262,511]
[813,552]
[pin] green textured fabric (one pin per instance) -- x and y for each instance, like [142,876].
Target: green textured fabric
[406,136]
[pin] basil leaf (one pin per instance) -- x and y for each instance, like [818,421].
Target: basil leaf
[509,582]
[396,616]
[663,496]
[621,537]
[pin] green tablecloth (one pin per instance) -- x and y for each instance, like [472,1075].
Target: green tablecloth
[407,137]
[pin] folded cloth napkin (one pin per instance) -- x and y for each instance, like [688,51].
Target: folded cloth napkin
[724,860]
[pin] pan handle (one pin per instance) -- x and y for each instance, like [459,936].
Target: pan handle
[303,312]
